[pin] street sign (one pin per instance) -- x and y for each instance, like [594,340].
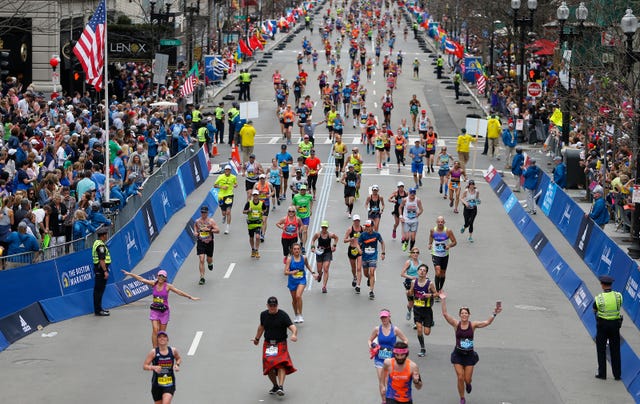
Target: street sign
[534,89]
[240,17]
[170,42]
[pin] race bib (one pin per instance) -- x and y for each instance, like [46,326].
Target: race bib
[370,250]
[228,201]
[354,251]
[298,275]
[399,147]
[204,234]
[412,214]
[351,184]
[272,350]
[283,164]
[165,380]
[385,353]
[302,209]
[319,250]
[466,344]
[419,303]
[440,247]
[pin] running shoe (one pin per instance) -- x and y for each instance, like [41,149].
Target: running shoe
[408,316]
[337,179]
[262,239]
[280,391]
[257,256]
[463,401]
[303,251]
[273,390]
[353,283]
[422,353]
[296,319]
[300,319]
[226,230]
[274,207]
[455,211]
[440,188]
[470,239]
[468,387]
[324,289]
[451,203]
[405,245]
[372,295]
[357,290]
[462,230]
[253,253]
[202,281]
[393,234]
[420,181]
[210,267]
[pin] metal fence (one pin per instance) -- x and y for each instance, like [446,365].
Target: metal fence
[119,218]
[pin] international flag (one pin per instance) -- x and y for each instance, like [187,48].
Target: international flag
[254,43]
[449,46]
[219,66]
[481,83]
[244,49]
[90,47]
[190,82]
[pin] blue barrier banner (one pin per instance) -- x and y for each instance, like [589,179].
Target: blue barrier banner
[200,168]
[567,216]
[548,196]
[556,268]
[23,322]
[20,287]
[630,297]
[75,271]
[186,175]
[589,321]
[530,231]
[538,242]
[131,289]
[584,236]
[79,304]
[582,299]
[547,254]
[178,252]
[142,232]
[510,201]
[569,282]
[128,247]
[599,253]
[3,342]
[150,222]
[630,365]
[503,191]
[634,385]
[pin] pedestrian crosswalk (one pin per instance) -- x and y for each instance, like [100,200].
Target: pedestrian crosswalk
[347,138]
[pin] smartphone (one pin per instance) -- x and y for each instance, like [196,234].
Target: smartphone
[499,304]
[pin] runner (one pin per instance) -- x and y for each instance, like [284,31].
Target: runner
[159,311]
[431,141]
[265,191]
[226,183]
[387,335]
[422,290]
[290,226]
[204,228]
[441,240]
[324,252]
[417,153]
[339,152]
[251,170]
[464,356]
[314,165]
[396,198]
[369,245]
[276,362]
[470,200]
[399,372]
[351,181]
[303,203]
[443,161]
[410,272]
[414,107]
[164,361]
[297,181]
[400,147]
[354,252]
[423,124]
[294,268]
[275,179]
[356,160]
[411,209]
[375,206]
[456,174]
[255,211]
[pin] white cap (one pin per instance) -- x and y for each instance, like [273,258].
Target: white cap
[262,176]
[400,184]
[356,217]
[375,187]
[255,192]
[227,167]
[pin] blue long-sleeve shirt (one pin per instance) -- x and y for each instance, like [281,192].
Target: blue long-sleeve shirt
[599,213]
[508,140]
[531,177]
[516,164]
[82,228]
[560,175]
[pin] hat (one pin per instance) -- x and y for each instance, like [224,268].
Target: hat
[66,138]
[210,119]
[400,184]
[303,186]
[95,205]
[306,136]
[298,170]
[102,230]
[579,145]
[324,223]
[472,182]
[204,208]
[162,272]
[368,223]
[412,190]
[606,280]
[162,333]
[22,225]
[463,130]
[424,111]
[284,146]
[255,192]
[272,301]
[375,188]
[252,156]
[511,124]
[356,217]
[262,176]
[557,158]
[385,313]
[227,167]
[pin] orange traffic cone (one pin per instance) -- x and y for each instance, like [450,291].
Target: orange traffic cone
[215,149]
[235,155]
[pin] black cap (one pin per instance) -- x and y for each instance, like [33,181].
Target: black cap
[606,280]
[272,301]
[102,230]
[284,146]
[204,208]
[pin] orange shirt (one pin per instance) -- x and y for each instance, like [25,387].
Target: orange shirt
[399,382]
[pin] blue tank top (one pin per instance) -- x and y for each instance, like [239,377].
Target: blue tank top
[413,268]
[274,176]
[297,266]
[386,343]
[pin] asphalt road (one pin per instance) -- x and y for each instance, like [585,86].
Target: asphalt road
[536,351]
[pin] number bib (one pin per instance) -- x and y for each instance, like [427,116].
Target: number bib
[204,234]
[228,201]
[298,275]
[165,381]
[369,250]
[385,353]
[419,303]
[272,350]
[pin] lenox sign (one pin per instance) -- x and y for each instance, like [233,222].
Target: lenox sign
[131,48]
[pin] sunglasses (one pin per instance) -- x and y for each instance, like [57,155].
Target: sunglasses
[415,252]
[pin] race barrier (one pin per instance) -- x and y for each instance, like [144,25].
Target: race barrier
[589,242]
[63,288]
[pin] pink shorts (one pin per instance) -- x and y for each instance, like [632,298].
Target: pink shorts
[159,316]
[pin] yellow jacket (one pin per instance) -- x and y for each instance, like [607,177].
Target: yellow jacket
[493,128]
[463,142]
[247,135]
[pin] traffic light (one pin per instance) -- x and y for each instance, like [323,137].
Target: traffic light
[5,64]
[533,75]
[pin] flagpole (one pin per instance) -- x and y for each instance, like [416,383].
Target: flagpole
[106,148]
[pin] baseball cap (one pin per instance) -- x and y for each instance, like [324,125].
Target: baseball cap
[557,158]
[472,182]
[252,156]
[272,301]
[162,272]
[162,333]
[424,111]
[303,186]
[400,184]
[356,217]
[324,223]
[368,223]
[205,208]
[412,190]
[375,188]
[262,176]
[284,146]
[227,167]
[298,170]
[255,192]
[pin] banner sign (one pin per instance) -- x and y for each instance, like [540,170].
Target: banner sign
[22,323]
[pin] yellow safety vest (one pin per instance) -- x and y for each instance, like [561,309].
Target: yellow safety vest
[94,252]
[219,113]
[608,305]
[202,134]
[196,116]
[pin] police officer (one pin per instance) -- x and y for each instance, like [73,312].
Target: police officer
[241,83]
[439,66]
[233,115]
[196,118]
[219,115]
[608,322]
[456,83]
[203,135]
[245,83]
[101,262]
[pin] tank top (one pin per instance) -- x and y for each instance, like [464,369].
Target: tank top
[166,377]
[419,294]
[351,179]
[161,296]
[324,243]
[204,230]
[290,228]
[297,266]
[439,242]
[399,382]
[374,206]
[431,141]
[410,212]
[339,150]
[274,176]
[353,245]
[399,142]
[386,343]
[471,200]
[423,124]
[413,268]
[265,192]
[251,172]
[455,175]
[443,162]
[399,198]
[464,338]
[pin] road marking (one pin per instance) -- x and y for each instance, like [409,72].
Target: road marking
[356,140]
[384,171]
[375,105]
[374,82]
[327,141]
[229,270]
[195,343]
[374,92]
[274,140]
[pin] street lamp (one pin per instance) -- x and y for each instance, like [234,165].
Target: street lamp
[563,13]
[522,23]
[492,47]
[629,25]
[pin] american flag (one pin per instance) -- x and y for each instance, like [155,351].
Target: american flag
[90,47]
[188,86]
[481,81]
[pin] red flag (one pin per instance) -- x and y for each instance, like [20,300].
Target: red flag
[90,47]
[459,52]
[244,48]
[291,19]
[254,43]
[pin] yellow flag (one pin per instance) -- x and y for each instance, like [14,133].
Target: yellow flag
[556,117]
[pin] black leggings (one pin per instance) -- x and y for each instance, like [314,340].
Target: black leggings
[286,245]
[277,188]
[469,217]
[399,156]
[311,182]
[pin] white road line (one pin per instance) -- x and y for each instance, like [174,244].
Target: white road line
[374,82]
[384,171]
[327,141]
[374,92]
[274,140]
[356,140]
[375,105]
[229,270]
[195,343]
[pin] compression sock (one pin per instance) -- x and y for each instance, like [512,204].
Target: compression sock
[421,341]
[442,278]
[412,243]
[350,206]
[437,282]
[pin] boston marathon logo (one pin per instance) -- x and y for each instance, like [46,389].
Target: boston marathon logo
[165,201]
[76,276]
[134,288]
